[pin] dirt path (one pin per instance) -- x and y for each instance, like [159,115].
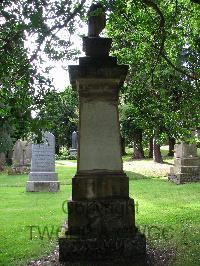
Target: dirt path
[148,168]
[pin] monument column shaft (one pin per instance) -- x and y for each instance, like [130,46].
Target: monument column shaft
[99,173]
[99,135]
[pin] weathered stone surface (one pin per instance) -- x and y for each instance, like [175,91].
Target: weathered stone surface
[43,176]
[73,149]
[102,218]
[38,176]
[96,47]
[186,164]
[42,186]
[183,178]
[184,150]
[98,62]
[194,161]
[21,158]
[99,185]
[22,153]
[74,140]
[43,158]
[112,251]
[115,74]
[100,139]
[187,169]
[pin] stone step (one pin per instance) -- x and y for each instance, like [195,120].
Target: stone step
[193,170]
[195,161]
[183,178]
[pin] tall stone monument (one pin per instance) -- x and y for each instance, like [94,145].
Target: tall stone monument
[186,164]
[101,216]
[42,176]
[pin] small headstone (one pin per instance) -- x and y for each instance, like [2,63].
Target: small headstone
[43,176]
[21,159]
[73,149]
[186,164]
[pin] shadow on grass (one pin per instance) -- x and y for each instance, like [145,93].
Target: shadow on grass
[168,163]
[136,176]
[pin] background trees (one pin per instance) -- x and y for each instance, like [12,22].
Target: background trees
[158,39]
[29,30]
[60,111]
[160,43]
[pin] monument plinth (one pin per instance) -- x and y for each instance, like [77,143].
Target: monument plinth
[186,164]
[101,216]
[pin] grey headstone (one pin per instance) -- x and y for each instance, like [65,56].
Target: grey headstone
[73,150]
[43,159]
[74,140]
[42,176]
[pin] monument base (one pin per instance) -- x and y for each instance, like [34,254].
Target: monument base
[42,186]
[183,178]
[103,251]
[181,174]
[20,169]
[43,176]
[73,152]
[102,231]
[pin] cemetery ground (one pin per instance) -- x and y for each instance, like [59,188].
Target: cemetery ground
[167,213]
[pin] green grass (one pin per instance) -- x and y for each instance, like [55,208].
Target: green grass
[173,210]
[19,210]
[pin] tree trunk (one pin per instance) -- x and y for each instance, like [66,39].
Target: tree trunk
[156,152]
[151,148]
[138,152]
[172,142]
[9,156]
[123,145]
[2,161]
[57,149]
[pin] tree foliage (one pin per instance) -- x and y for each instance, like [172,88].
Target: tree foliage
[60,111]
[160,42]
[28,30]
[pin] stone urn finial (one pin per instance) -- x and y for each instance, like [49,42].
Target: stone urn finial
[93,44]
[96,20]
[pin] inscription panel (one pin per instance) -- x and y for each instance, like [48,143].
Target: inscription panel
[43,155]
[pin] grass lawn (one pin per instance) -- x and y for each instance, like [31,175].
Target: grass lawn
[168,214]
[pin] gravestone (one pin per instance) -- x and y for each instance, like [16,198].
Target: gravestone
[73,149]
[43,176]
[21,157]
[186,164]
[101,215]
